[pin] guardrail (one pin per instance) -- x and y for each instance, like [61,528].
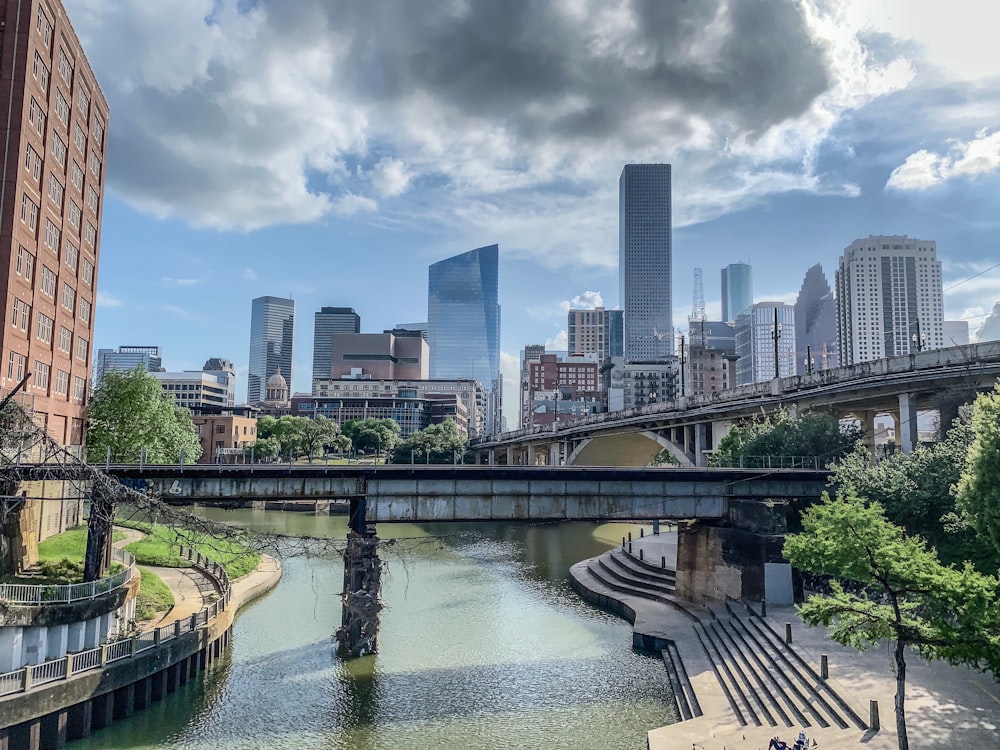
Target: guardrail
[28,677]
[37,594]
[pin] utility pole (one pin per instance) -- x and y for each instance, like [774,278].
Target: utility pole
[809,360]
[917,340]
[682,365]
[775,335]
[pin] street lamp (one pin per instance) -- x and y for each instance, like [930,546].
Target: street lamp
[682,365]
[809,362]
[918,341]
[776,334]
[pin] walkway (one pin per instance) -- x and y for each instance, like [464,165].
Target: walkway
[739,684]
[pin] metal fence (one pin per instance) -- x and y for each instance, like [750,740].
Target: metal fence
[24,679]
[37,594]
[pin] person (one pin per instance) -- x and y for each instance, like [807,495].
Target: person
[776,744]
[801,742]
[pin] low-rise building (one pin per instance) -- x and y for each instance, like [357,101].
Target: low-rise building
[225,433]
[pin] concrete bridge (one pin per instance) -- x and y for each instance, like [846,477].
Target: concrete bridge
[691,427]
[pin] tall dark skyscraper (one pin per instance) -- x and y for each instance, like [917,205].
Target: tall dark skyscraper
[644,261]
[815,323]
[272,337]
[463,322]
[737,290]
[328,321]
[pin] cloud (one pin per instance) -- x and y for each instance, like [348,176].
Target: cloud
[106,300]
[350,204]
[510,372]
[391,178]
[517,116]
[559,343]
[249,274]
[181,282]
[924,169]
[586,301]
[990,329]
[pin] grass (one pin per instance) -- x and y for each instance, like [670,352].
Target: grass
[154,596]
[60,559]
[160,545]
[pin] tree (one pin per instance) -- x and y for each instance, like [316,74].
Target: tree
[130,412]
[286,433]
[373,434]
[978,489]
[317,433]
[815,434]
[435,444]
[906,596]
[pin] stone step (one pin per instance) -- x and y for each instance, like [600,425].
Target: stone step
[643,569]
[738,701]
[628,576]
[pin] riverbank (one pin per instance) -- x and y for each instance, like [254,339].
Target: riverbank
[750,685]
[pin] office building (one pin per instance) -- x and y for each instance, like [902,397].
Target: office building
[197,389]
[150,358]
[644,261]
[272,338]
[383,356]
[889,298]
[463,322]
[420,328]
[737,290]
[756,348]
[225,372]
[530,353]
[598,332]
[51,209]
[562,389]
[328,321]
[226,433]
[709,361]
[956,332]
[815,324]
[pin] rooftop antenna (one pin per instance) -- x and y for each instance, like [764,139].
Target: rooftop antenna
[697,317]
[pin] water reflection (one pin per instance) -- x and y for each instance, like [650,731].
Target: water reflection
[483,645]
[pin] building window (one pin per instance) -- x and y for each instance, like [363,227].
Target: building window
[32,161]
[76,176]
[62,108]
[80,138]
[88,272]
[62,382]
[59,149]
[79,388]
[48,285]
[25,263]
[40,72]
[56,191]
[65,339]
[43,328]
[99,131]
[36,117]
[91,234]
[15,367]
[29,212]
[52,236]
[68,296]
[66,69]
[74,215]
[41,375]
[71,254]
[93,201]
[19,315]
[44,27]
[82,345]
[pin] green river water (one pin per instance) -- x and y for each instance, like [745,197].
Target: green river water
[483,645]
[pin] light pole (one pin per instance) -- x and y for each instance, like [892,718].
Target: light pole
[918,342]
[682,365]
[809,360]
[775,335]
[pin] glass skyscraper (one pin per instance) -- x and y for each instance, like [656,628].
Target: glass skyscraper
[330,320]
[463,322]
[644,261]
[737,290]
[272,336]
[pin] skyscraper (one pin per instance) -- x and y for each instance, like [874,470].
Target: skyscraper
[50,210]
[889,298]
[597,332]
[463,322]
[272,337]
[815,324]
[755,344]
[737,290]
[328,321]
[127,358]
[644,261]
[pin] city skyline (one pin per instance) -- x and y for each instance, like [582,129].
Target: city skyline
[318,188]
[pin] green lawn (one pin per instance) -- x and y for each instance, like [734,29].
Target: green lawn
[160,548]
[154,596]
[70,545]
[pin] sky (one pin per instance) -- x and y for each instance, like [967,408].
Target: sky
[330,150]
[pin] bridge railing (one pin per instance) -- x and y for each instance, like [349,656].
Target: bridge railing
[35,594]
[771,462]
[32,675]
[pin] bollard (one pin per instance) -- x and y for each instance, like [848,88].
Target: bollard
[623,542]
[630,536]
[873,723]
[656,527]
[763,607]
[640,553]
[642,533]
[788,632]
[663,562]
[824,667]
[630,548]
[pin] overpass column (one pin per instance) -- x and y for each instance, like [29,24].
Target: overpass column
[867,419]
[554,454]
[493,457]
[510,455]
[700,459]
[531,454]
[906,426]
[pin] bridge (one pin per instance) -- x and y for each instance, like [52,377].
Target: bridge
[691,427]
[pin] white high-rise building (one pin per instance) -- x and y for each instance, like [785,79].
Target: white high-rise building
[889,298]
[644,261]
[756,347]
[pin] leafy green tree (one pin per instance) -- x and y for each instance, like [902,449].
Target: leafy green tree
[436,444]
[319,432]
[287,432]
[373,434]
[814,434]
[129,412]
[978,489]
[908,596]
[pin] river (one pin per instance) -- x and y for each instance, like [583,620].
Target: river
[483,645]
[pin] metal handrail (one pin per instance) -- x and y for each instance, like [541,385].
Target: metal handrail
[40,594]
[24,679]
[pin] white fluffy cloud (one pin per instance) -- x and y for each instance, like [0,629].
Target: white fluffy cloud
[350,204]
[924,169]
[391,178]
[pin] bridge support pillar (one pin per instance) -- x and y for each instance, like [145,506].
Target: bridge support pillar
[531,454]
[361,607]
[740,560]
[510,455]
[554,459]
[493,457]
[700,459]
[906,425]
